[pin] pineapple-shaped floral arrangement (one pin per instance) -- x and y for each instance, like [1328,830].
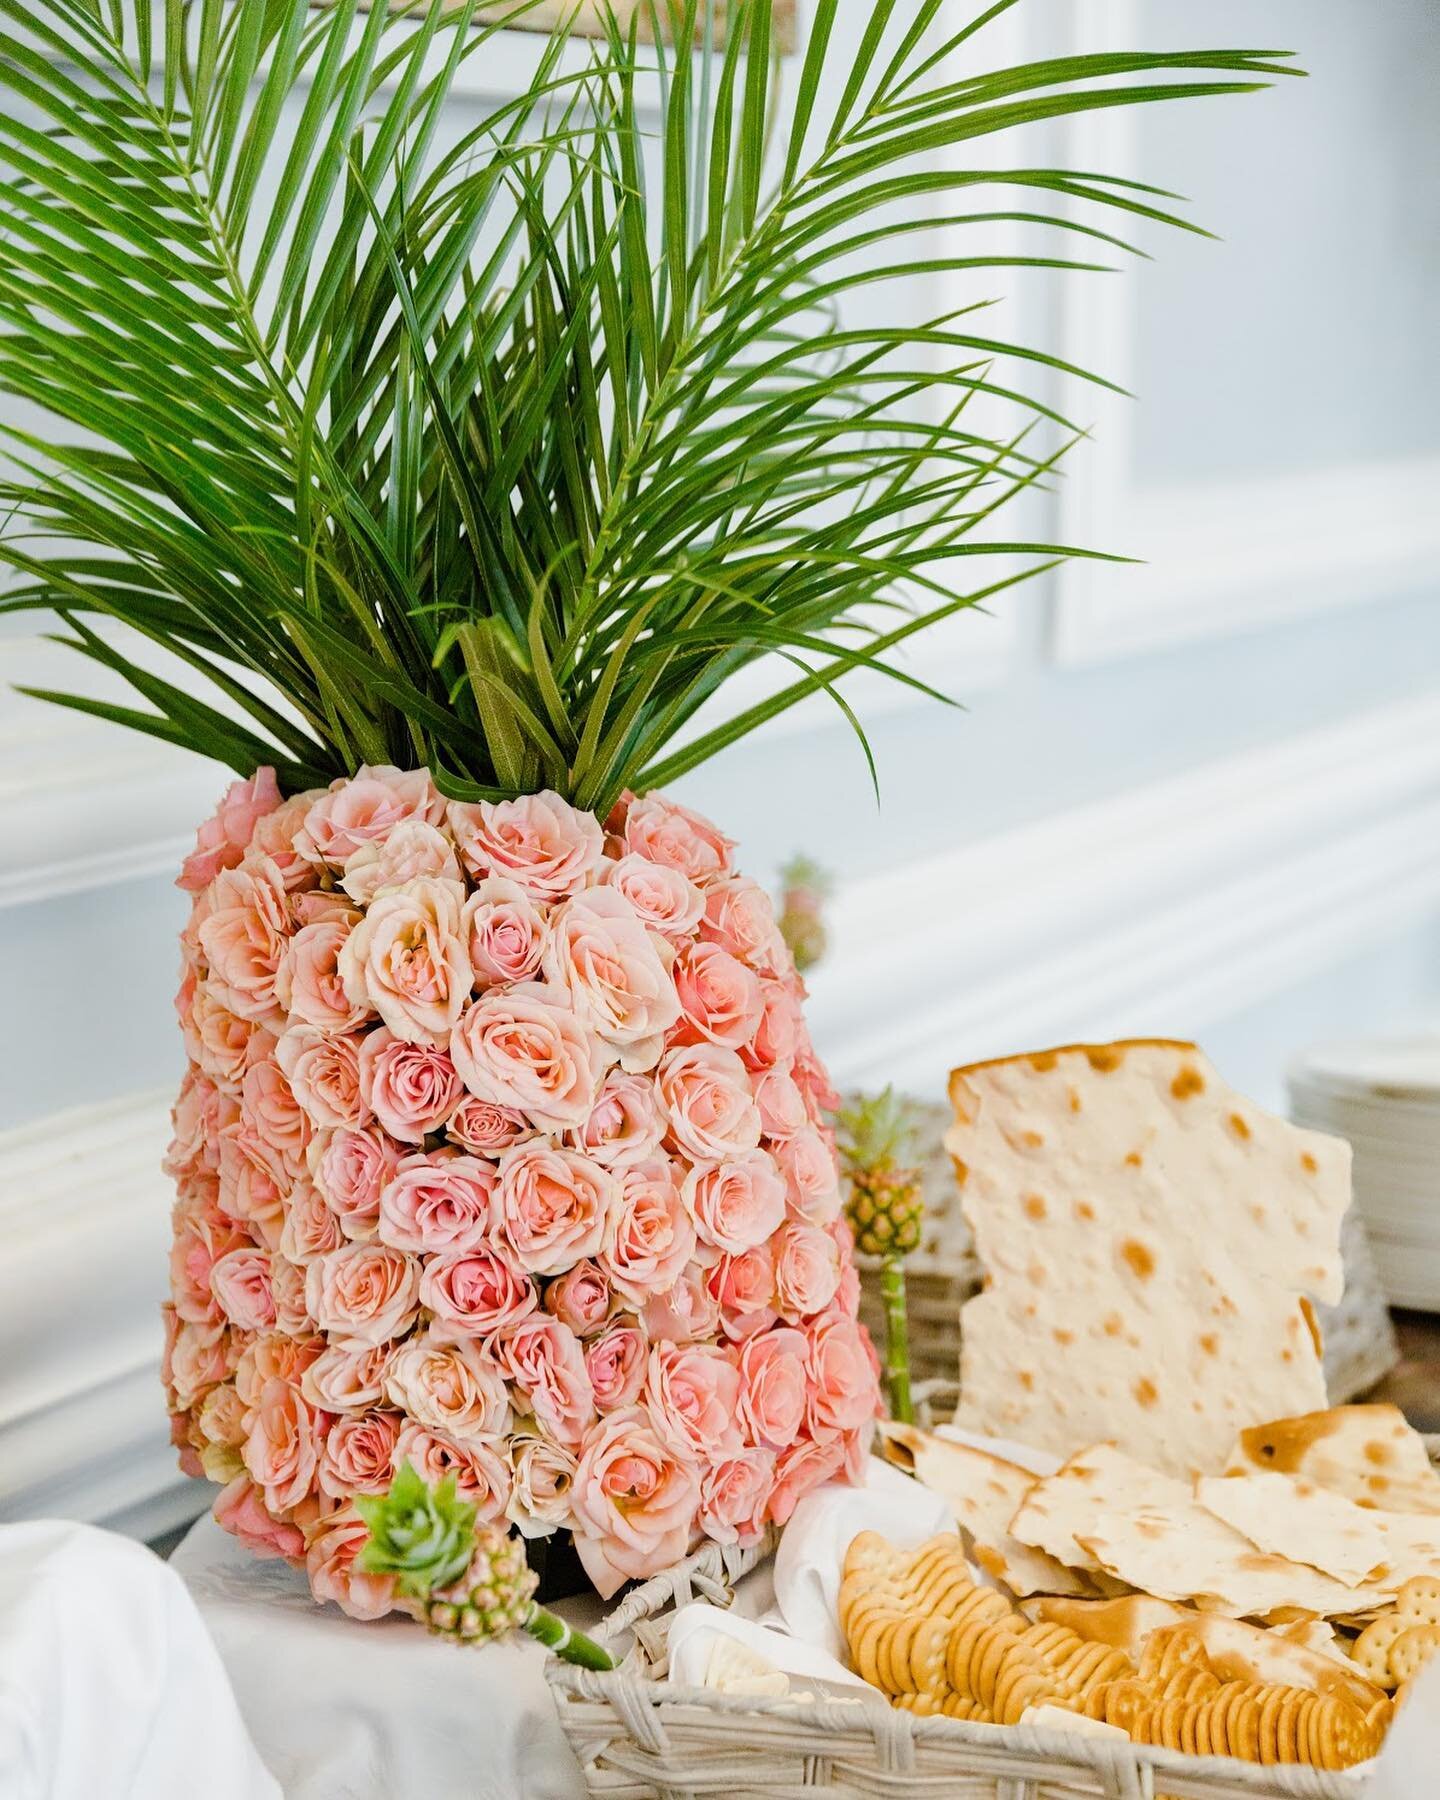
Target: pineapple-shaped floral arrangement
[445,478]
[885,1209]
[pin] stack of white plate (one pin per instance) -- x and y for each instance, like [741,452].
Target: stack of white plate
[1384,1096]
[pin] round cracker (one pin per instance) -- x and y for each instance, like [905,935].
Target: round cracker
[1419,1599]
[1412,1650]
[1371,1650]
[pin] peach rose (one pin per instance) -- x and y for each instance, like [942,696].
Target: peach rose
[686,1313]
[812,1179]
[243,938]
[743,1286]
[555,1206]
[653,1238]
[199,1358]
[274,836]
[781,1104]
[321,906]
[505,932]
[341,1380]
[692,1393]
[705,1095]
[625,1126]
[363,1294]
[802,1466]
[664,898]
[273,1356]
[308,983]
[221,840]
[524,1047]
[580,1298]
[539,841]
[810,1077]
[282,1446]
[240,1281]
[240,1510]
[543,1477]
[287,1288]
[413,849]
[442,1201]
[475,1292]
[219,1040]
[365,810]
[843,1393]
[615,972]
[545,1361]
[663,832]
[325,1074]
[411,1088]
[776,1040]
[357,1455]
[615,1364]
[199,1243]
[737,1203]
[719,996]
[193,1119]
[331,1565]
[482,1476]
[773,1387]
[351,1169]
[253,1183]
[407,959]
[807,1269]
[484,1128]
[634,1501]
[222,1417]
[740,919]
[734,1495]
[452,1387]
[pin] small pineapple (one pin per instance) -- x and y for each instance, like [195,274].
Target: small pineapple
[885,1210]
[805,887]
[494,1595]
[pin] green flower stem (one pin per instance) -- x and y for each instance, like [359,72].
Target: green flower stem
[569,1645]
[897,1340]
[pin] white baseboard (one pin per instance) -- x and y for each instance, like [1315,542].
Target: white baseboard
[1170,908]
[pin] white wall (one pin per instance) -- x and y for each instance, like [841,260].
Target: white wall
[1196,798]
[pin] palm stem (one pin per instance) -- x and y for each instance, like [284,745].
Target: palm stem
[897,1340]
[569,1645]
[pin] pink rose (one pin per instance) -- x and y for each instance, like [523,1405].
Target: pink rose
[357,1455]
[240,1281]
[705,1095]
[634,1501]
[482,1476]
[365,810]
[663,832]
[692,1392]
[733,1497]
[199,1358]
[807,1269]
[539,841]
[719,996]
[442,1201]
[310,1228]
[321,906]
[843,1393]
[782,1105]
[253,1183]
[580,1298]
[364,1293]
[543,1480]
[324,1074]
[412,850]
[803,1466]
[484,1128]
[616,974]
[411,1088]
[555,1207]
[192,1120]
[287,1288]
[545,1361]
[524,1047]
[273,1356]
[222,1416]
[812,1180]
[775,1041]
[663,897]
[743,1286]
[810,1077]
[454,1388]
[330,1564]
[244,937]
[616,1366]
[198,1245]
[475,1293]
[686,1313]
[308,983]
[221,1041]
[625,1126]
[505,932]
[737,1203]
[407,958]
[341,1380]
[772,1371]
[740,919]
[351,1169]
[653,1238]
[221,840]
[240,1510]
[274,836]
[282,1446]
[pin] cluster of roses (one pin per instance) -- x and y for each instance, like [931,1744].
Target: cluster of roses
[501,1151]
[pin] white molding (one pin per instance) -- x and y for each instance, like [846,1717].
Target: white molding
[1217,557]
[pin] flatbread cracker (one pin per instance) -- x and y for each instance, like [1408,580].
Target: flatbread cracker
[1289,1516]
[1098,1479]
[1152,1242]
[1370,1454]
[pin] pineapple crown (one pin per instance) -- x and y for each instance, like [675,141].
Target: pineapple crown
[875,1129]
[804,875]
[423,1536]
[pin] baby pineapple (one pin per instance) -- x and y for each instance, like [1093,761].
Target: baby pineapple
[885,1208]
